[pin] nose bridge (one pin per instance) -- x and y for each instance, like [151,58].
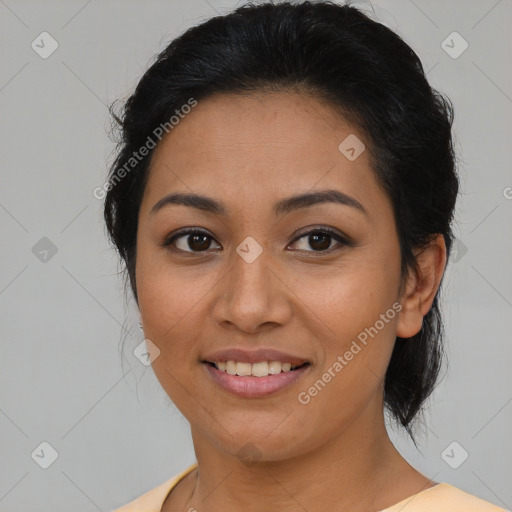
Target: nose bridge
[251,270]
[251,282]
[252,295]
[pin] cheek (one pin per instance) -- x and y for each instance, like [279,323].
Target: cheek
[351,297]
[359,335]
[355,324]
[170,299]
[170,305]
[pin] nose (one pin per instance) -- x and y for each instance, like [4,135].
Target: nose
[253,296]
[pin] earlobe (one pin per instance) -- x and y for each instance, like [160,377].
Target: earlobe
[421,287]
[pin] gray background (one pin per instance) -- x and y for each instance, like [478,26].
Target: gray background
[62,315]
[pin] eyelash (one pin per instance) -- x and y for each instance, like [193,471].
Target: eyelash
[343,241]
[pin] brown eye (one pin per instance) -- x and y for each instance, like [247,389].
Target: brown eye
[320,240]
[190,241]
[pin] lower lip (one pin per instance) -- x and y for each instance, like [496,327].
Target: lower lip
[253,387]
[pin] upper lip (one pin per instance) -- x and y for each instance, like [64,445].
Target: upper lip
[253,356]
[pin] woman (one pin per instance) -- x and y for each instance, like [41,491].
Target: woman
[282,200]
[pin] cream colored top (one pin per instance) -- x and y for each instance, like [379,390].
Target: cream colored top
[440,498]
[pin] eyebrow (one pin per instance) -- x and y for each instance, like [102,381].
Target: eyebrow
[282,207]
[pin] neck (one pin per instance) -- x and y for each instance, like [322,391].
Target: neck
[357,469]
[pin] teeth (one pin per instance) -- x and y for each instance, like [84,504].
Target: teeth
[260,369]
[243,368]
[231,367]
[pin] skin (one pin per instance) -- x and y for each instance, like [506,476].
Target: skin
[250,152]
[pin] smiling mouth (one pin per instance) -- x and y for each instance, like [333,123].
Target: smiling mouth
[259,369]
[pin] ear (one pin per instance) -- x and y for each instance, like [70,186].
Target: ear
[421,289]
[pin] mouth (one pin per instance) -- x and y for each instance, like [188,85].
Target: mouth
[254,380]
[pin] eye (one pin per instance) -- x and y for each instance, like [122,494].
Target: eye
[192,240]
[320,240]
[197,241]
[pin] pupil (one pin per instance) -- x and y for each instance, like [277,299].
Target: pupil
[323,237]
[195,238]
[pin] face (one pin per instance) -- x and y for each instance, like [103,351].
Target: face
[317,279]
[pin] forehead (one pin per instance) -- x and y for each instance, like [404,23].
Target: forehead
[259,123]
[257,146]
